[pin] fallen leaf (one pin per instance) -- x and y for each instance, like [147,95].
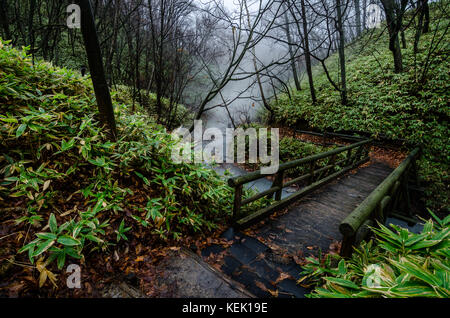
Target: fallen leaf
[42,278]
[46,185]
[260,256]
[261,285]
[274,293]
[282,277]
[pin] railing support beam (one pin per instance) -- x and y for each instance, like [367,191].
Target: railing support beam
[384,196]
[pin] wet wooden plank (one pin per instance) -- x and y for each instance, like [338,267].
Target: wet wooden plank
[315,220]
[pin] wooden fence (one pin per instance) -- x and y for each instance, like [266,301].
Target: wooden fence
[337,162]
[390,197]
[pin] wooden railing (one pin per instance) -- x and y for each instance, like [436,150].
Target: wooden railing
[391,196]
[353,156]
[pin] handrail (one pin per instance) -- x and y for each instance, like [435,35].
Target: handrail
[316,177]
[252,176]
[381,199]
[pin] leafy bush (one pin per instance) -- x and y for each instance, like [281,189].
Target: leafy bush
[77,188]
[291,148]
[382,103]
[397,264]
[181,115]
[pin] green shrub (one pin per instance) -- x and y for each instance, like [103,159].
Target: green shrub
[397,264]
[290,149]
[80,190]
[181,115]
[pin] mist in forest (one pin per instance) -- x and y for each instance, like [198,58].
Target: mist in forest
[243,97]
[246,107]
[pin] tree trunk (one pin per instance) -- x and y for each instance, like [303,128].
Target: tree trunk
[426,11]
[4,19]
[419,28]
[110,55]
[94,56]
[307,53]
[364,13]
[291,53]
[394,46]
[30,28]
[393,20]
[255,65]
[341,50]
[358,17]
[402,34]
[157,52]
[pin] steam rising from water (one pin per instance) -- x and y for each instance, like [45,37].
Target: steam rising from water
[245,109]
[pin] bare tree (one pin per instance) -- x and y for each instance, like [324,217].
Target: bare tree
[287,28]
[244,38]
[357,16]
[341,48]
[307,52]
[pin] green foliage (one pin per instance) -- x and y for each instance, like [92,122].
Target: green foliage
[121,231]
[396,106]
[56,158]
[179,115]
[69,239]
[397,264]
[292,149]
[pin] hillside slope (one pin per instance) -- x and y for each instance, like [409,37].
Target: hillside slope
[67,191]
[382,103]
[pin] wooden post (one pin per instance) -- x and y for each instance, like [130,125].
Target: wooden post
[347,245]
[416,173]
[331,163]
[358,154]
[312,166]
[378,215]
[237,201]
[381,208]
[406,194]
[366,151]
[394,194]
[278,182]
[349,157]
[363,232]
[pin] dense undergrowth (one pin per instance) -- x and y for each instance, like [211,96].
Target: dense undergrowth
[396,264]
[147,101]
[385,104]
[291,148]
[70,190]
